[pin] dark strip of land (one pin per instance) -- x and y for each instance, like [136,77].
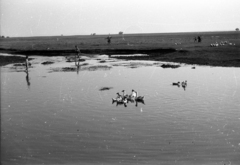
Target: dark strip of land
[171,47]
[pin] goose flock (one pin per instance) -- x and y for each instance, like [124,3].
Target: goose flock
[134,97]
[125,98]
[222,43]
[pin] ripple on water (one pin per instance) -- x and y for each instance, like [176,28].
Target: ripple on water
[67,118]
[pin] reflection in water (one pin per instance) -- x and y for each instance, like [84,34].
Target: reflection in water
[184,84]
[120,100]
[27,79]
[27,63]
[139,101]
[184,87]
[131,101]
[64,121]
[120,103]
[125,99]
[77,62]
[77,58]
[27,74]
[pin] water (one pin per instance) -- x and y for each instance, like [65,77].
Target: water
[53,117]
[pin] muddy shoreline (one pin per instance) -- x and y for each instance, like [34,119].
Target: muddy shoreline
[194,57]
[174,47]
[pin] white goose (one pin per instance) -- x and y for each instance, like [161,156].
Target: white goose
[118,98]
[125,95]
[133,94]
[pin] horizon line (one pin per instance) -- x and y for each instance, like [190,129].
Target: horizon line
[103,34]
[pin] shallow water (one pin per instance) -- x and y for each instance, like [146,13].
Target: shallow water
[49,116]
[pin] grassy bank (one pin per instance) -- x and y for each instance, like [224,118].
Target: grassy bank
[175,47]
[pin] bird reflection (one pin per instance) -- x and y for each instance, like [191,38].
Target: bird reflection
[125,104]
[139,101]
[184,87]
[119,103]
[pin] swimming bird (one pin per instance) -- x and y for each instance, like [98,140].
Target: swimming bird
[118,98]
[129,97]
[139,98]
[133,94]
[122,101]
[125,95]
[184,83]
[178,83]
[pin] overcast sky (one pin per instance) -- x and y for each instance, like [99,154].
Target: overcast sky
[77,17]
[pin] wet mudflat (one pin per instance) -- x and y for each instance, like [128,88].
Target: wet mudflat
[53,116]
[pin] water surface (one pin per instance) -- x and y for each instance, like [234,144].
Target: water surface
[51,116]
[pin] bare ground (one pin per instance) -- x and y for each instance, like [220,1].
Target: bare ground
[171,47]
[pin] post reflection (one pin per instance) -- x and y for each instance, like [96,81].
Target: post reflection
[77,58]
[27,79]
[27,72]
[77,62]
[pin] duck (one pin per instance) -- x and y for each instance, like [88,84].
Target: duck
[123,101]
[184,83]
[178,83]
[129,97]
[139,98]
